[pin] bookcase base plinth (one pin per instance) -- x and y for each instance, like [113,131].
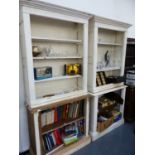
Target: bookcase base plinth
[106,131]
[67,150]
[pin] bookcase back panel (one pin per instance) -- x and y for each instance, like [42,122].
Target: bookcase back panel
[56,64]
[110,36]
[114,53]
[56,87]
[113,73]
[52,28]
[59,49]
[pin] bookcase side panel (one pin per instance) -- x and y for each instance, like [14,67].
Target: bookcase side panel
[92,56]
[86,116]
[37,133]
[31,132]
[27,57]
[124,52]
[85,55]
[123,94]
[93,115]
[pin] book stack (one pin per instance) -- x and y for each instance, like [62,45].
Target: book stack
[62,113]
[72,132]
[51,140]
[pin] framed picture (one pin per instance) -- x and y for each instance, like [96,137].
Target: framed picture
[72,69]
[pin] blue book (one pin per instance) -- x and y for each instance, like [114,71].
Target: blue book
[45,144]
[59,113]
[49,142]
[51,139]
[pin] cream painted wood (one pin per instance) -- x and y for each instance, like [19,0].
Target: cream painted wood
[27,56]
[87,117]
[58,98]
[37,136]
[53,11]
[123,94]
[93,115]
[65,32]
[106,34]
[111,128]
[94,111]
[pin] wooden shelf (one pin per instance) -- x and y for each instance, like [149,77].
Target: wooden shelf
[108,88]
[61,124]
[109,69]
[69,149]
[48,58]
[44,39]
[55,149]
[109,129]
[59,78]
[109,44]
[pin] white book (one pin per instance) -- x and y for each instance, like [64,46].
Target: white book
[52,116]
[43,119]
[49,117]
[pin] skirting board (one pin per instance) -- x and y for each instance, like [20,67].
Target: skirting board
[109,129]
[73,147]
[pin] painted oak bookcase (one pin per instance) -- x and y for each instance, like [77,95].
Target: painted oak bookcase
[62,36]
[106,38]
[63,33]
[37,131]
[94,112]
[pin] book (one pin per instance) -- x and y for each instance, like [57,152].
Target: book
[51,139]
[54,140]
[58,142]
[43,119]
[102,77]
[98,80]
[45,144]
[55,115]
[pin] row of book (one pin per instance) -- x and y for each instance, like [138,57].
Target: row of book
[100,78]
[65,135]
[61,113]
[52,140]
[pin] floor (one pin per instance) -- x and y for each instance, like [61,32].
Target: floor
[120,141]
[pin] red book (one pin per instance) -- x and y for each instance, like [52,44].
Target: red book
[55,115]
[58,142]
[58,134]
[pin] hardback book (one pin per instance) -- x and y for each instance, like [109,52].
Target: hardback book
[102,77]
[98,80]
[41,73]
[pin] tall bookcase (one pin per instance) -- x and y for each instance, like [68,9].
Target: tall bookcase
[95,132]
[59,36]
[106,38]
[37,131]
[106,59]
[62,37]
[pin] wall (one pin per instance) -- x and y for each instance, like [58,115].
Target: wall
[122,10]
